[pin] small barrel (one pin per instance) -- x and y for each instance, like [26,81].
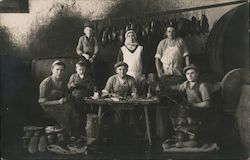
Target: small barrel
[243,116]
[92,126]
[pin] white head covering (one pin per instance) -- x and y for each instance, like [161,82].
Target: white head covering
[129,43]
[129,31]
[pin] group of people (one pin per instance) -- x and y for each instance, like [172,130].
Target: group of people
[172,58]
[62,100]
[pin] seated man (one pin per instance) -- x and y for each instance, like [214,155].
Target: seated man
[55,101]
[190,118]
[120,85]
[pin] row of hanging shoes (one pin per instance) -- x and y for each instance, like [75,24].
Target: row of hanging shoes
[152,30]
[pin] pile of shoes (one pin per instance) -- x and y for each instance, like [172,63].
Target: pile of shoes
[55,134]
[187,132]
[61,143]
[73,146]
[170,145]
[55,139]
[34,139]
[185,137]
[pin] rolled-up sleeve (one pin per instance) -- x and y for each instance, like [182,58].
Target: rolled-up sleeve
[79,46]
[181,87]
[44,86]
[108,86]
[184,48]
[71,81]
[204,92]
[159,50]
[96,47]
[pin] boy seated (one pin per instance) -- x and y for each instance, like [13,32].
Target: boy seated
[120,84]
[189,119]
[80,84]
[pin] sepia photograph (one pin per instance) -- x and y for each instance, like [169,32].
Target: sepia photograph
[125,79]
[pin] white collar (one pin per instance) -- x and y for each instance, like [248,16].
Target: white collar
[81,76]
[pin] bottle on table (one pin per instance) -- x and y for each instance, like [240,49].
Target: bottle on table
[149,94]
[96,93]
[135,94]
[111,92]
[157,89]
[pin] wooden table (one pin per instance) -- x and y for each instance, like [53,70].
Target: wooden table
[120,103]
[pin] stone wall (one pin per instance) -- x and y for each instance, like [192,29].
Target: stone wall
[52,27]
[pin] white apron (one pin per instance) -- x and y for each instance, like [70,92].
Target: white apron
[134,61]
[172,61]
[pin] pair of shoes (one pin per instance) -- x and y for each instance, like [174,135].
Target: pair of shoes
[170,143]
[187,144]
[67,150]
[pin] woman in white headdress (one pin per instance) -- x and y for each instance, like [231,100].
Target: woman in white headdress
[132,54]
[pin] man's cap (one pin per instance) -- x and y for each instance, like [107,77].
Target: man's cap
[57,62]
[88,24]
[81,63]
[129,31]
[191,66]
[121,63]
[171,25]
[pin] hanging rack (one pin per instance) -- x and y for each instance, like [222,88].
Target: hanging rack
[113,18]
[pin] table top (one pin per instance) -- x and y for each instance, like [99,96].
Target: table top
[113,100]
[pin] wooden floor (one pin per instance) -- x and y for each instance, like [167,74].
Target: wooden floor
[124,150]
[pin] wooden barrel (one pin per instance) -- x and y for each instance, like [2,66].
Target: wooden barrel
[231,87]
[243,116]
[228,42]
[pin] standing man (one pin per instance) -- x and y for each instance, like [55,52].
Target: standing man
[171,54]
[87,48]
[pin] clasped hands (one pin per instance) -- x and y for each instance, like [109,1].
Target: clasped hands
[90,59]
